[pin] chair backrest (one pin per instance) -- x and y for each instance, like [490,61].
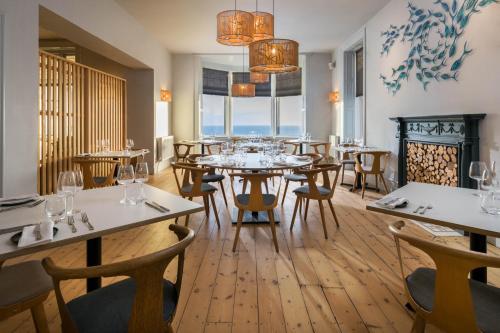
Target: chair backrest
[453,309]
[293,147]
[213,148]
[377,164]
[326,148]
[181,150]
[316,157]
[324,170]
[88,164]
[256,201]
[192,179]
[147,273]
[346,155]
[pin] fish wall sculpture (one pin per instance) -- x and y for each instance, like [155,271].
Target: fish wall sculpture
[432,61]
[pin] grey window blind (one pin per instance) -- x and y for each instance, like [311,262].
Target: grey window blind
[261,89]
[215,82]
[289,84]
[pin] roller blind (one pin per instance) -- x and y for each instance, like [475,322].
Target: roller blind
[215,82]
[289,84]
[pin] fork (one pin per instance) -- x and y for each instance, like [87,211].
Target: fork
[71,223]
[422,212]
[37,232]
[85,219]
[30,205]
[419,208]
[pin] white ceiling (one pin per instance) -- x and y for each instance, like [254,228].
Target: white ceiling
[189,26]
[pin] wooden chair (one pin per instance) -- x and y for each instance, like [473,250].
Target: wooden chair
[181,151]
[321,193]
[376,168]
[299,177]
[292,147]
[192,186]
[25,286]
[213,148]
[256,201]
[322,145]
[211,177]
[92,181]
[445,296]
[144,302]
[346,159]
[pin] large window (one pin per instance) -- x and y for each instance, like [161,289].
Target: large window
[212,115]
[290,116]
[252,115]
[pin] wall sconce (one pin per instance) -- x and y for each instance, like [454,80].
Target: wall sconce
[165,95]
[334,96]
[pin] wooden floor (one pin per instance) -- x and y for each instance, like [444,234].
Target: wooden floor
[348,283]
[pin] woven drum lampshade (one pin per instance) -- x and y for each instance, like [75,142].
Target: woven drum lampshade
[256,77]
[243,90]
[264,26]
[235,27]
[273,56]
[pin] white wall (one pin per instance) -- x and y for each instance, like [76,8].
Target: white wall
[475,92]
[184,69]
[102,19]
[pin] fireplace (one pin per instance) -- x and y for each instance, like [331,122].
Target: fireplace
[438,149]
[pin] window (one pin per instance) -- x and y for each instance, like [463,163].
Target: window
[290,116]
[212,115]
[252,115]
[359,72]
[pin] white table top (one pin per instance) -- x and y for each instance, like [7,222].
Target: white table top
[453,207]
[343,149]
[117,154]
[104,211]
[252,162]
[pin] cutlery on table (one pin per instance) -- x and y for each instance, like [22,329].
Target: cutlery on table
[37,232]
[153,205]
[71,223]
[28,205]
[162,207]
[18,228]
[419,208]
[85,219]
[422,212]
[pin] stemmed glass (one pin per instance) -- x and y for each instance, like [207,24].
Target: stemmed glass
[141,176]
[479,172]
[66,186]
[129,144]
[78,186]
[125,177]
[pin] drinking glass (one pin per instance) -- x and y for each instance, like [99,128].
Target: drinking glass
[66,185]
[129,144]
[125,177]
[141,176]
[55,208]
[477,171]
[78,186]
[107,145]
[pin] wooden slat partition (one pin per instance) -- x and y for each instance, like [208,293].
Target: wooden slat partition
[78,106]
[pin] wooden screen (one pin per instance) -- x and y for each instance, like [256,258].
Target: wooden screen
[78,106]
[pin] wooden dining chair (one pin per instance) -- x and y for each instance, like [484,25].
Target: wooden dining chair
[213,148]
[144,302]
[181,151]
[325,146]
[292,147]
[90,180]
[192,186]
[25,286]
[299,177]
[377,168]
[255,201]
[211,176]
[312,191]
[446,297]
[346,158]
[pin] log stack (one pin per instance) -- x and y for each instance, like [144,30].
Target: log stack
[432,163]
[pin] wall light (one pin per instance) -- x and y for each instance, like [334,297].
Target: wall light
[165,95]
[334,96]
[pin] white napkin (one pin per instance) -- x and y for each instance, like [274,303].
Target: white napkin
[391,202]
[19,199]
[28,237]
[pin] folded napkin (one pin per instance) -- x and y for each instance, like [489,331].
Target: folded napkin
[392,202]
[19,200]
[302,158]
[28,238]
[205,159]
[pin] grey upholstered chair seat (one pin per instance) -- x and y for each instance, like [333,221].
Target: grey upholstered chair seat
[295,177]
[486,298]
[107,310]
[305,190]
[213,178]
[23,281]
[244,199]
[348,162]
[100,180]
[204,187]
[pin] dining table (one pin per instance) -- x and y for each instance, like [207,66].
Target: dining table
[255,162]
[116,154]
[205,142]
[453,207]
[304,142]
[106,215]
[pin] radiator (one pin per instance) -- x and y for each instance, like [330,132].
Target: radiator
[164,148]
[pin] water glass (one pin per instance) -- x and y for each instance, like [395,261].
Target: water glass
[125,177]
[129,144]
[141,177]
[66,186]
[478,171]
[55,208]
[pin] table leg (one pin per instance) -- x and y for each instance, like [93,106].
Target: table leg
[478,243]
[301,148]
[202,149]
[94,252]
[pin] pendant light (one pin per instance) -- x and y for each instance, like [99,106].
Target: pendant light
[263,24]
[274,56]
[256,77]
[244,89]
[235,27]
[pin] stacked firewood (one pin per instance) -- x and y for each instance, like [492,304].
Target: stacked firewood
[431,163]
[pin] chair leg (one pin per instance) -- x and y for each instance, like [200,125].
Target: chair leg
[39,318]
[244,189]
[418,325]
[306,210]
[342,177]
[284,192]
[221,184]
[376,182]
[363,180]
[333,213]
[267,186]
[187,216]
[322,211]
[294,212]
[355,183]
[270,213]
[238,227]
[300,205]
[207,206]
[384,183]
[215,210]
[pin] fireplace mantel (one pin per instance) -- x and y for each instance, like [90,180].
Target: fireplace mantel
[460,130]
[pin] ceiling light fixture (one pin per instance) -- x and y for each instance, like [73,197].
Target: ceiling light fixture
[235,27]
[256,77]
[243,89]
[263,24]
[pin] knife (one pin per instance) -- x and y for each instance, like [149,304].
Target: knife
[18,228]
[155,206]
[160,206]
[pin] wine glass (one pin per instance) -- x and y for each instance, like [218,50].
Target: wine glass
[129,144]
[78,185]
[55,208]
[141,176]
[478,171]
[66,185]
[125,177]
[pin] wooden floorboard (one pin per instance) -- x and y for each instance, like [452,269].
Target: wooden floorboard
[350,282]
